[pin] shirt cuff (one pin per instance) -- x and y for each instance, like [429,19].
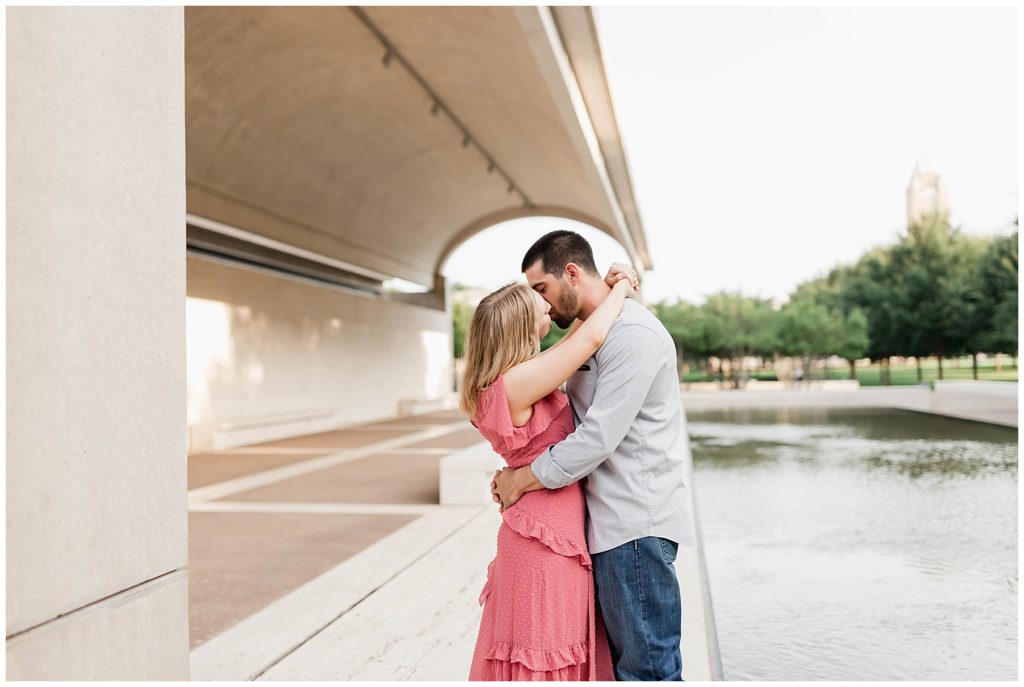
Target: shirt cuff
[548,473]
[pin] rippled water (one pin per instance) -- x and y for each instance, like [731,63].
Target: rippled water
[859,544]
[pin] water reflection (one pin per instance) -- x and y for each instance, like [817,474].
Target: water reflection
[859,544]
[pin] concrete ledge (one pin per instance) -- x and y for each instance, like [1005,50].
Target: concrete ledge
[227,434]
[699,640]
[981,388]
[759,385]
[420,625]
[248,649]
[910,397]
[419,406]
[139,634]
[992,402]
[466,476]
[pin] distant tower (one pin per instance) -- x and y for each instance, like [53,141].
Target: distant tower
[926,194]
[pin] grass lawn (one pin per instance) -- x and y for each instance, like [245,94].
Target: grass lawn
[870,375]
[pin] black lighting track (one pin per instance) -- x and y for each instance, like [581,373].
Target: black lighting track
[204,242]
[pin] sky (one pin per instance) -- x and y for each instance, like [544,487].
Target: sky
[767,145]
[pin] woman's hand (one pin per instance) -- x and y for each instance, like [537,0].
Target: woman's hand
[619,271]
[625,284]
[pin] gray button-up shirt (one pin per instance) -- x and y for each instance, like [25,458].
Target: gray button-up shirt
[629,438]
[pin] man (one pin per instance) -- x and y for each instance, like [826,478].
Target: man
[627,445]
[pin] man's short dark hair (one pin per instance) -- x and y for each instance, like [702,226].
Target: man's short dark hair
[557,249]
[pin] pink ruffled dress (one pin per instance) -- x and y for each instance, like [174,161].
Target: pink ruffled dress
[539,619]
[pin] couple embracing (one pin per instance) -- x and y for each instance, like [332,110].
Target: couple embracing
[593,502]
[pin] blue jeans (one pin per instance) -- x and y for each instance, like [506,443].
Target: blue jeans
[638,592]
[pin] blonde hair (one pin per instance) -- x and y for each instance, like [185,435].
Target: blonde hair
[502,334]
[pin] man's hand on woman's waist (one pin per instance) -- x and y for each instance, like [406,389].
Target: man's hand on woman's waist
[509,485]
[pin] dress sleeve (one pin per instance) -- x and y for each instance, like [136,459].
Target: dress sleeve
[493,416]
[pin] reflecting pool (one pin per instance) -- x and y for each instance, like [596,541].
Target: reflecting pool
[859,544]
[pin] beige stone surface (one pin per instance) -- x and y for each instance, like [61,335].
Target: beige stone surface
[992,402]
[241,562]
[363,172]
[382,478]
[263,478]
[466,475]
[341,438]
[421,625]
[246,650]
[95,334]
[138,634]
[262,347]
[455,440]
[210,468]
[445,418]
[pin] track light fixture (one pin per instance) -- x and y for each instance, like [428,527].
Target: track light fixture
[437,105]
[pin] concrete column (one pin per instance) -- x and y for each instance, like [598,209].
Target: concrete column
[96,459]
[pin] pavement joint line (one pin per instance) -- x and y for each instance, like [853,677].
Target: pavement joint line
[261,450]
[130,592]
[449,449]
[468,521]
[398,427]
[423,451]
[237,485]
[314,508]
[247,649]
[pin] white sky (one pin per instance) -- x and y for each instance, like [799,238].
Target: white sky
[769,144]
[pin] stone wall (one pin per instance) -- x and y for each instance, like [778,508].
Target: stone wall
[97,544]
[271,357]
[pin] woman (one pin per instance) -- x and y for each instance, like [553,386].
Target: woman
[539,619]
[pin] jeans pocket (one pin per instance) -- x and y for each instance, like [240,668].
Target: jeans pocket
[669,549]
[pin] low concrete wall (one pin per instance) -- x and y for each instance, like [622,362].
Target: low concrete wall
[272,357]
[759,385]
[466,476]
[992,402]
[909,397]
[701,658]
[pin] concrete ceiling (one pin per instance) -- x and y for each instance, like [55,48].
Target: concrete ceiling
[297,130]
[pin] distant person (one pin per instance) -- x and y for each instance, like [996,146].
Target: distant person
[627,445]
[539,619]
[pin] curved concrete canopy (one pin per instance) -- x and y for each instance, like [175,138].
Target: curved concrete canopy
[385,136]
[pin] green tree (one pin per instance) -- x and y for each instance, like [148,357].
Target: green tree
[933,264]
[805,330]
[995,297]
[553,336]
[685,324]
[462,314]
[869,285]
[742,326]
[852,341]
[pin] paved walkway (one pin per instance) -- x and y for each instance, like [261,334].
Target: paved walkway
[327,557]
[268,521]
